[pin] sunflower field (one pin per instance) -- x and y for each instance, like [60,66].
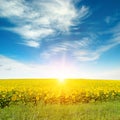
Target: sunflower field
[51,91]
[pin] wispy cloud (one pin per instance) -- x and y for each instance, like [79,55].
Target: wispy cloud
[91,55]
[85,49]
[10,68]
[38,19]
[67,47]
[116,33]
[31,43]
[112,19]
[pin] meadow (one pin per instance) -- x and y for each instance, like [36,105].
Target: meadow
[50,99]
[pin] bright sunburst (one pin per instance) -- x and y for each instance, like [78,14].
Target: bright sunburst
[61,77]
[61,73]
[64,72]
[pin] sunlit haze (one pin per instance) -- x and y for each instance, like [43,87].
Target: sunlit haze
[60,39]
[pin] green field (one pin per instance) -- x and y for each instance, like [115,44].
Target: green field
[89,111]
[49,99]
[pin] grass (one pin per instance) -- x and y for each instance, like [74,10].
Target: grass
[87,100]
[89,111]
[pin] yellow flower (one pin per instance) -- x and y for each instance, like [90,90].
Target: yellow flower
[37,98]
[14,97]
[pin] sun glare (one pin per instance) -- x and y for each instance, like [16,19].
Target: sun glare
[63,71]
[61,74]
[61,79]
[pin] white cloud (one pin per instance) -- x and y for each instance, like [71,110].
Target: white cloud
[109,74]
[116,33]
[66,46]
[11,8]
[91,55]
[32,43]
[105,74]
[30,33]
[10,68]
[38,19]
[85,55]
[84,12]
[81,50]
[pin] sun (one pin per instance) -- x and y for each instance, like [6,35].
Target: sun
[61,78]
[61,74]
[63,71]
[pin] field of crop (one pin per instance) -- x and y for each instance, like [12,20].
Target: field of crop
[52,92]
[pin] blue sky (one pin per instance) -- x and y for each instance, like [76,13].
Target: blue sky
[47,38]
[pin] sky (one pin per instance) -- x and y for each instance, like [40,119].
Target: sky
[54,38]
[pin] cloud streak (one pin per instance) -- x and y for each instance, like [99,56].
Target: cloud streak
[36,20]
[84,49]
[10,68]
[39,19]
[66,47]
